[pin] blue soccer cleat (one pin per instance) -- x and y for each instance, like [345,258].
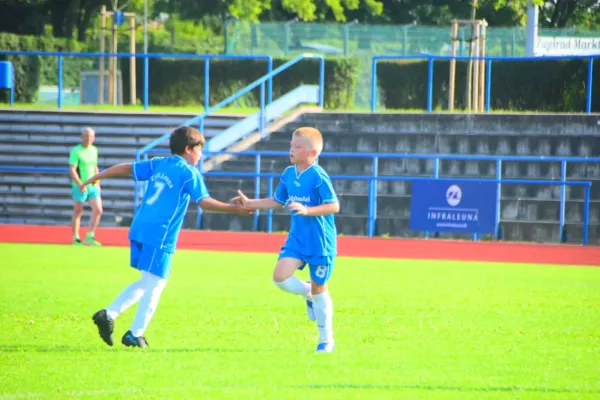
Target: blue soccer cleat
[310,311]
[325,347]
[132,341]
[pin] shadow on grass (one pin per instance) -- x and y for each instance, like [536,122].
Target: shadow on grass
[32,348]
[521,389]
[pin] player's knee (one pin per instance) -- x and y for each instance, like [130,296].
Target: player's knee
[285,269]
[317,288]
[77,211]
[97,208]
[282,274]
[279,276]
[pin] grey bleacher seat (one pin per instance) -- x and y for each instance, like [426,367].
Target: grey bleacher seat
[543,148]
[563,149]
[399,187]
[444,146]
[425,145]
[463,146]
[523,146]
[584,150]
[533,170]
[472,168]
[503,148]
[483,147]
[402,145]
[510,210]
[365,146]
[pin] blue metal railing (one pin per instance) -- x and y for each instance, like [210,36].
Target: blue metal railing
[146,57]
[143,152]
[375,157]
[372,196]
[488,79]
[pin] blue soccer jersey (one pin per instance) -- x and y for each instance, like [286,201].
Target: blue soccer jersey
[171,183]
[309,236]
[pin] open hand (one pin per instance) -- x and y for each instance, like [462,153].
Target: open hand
[298,208]
[241,210]
[236,201]
[240,198]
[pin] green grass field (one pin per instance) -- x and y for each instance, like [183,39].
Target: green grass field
[404,329]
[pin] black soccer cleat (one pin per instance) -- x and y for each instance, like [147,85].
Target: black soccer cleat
[131,341]
[105,326]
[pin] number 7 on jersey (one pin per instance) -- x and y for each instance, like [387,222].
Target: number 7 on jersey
[158,188]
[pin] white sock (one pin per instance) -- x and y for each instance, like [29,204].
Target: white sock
[323,308]
[128,297]
[295,286]
[153,287]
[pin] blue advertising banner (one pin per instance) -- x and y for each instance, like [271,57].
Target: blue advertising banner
[454,206]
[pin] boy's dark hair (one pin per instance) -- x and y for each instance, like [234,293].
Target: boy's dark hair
[183,137]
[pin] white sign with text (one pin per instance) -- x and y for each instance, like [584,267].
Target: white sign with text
[566,46]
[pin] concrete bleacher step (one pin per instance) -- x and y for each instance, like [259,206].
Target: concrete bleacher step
[131,123]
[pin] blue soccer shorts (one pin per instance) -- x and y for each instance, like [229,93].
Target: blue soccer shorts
[320,267]
[150,259]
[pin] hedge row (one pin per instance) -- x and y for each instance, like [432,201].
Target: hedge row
[550,85]
[178,82]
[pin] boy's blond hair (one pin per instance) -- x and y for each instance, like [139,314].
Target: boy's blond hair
[312,137]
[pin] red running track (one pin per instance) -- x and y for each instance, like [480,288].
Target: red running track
[352,246]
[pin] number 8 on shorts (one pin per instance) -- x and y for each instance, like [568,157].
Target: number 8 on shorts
[321,273]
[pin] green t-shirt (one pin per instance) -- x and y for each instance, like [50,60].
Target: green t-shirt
[86,159]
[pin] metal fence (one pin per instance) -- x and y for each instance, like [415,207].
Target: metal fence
[282,39]
[257,174]
[372,193]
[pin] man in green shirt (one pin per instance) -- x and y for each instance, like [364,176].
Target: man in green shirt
[83,164]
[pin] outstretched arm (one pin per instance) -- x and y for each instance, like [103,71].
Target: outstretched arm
[257,204]
[316,211]
[216,205]
[116,170]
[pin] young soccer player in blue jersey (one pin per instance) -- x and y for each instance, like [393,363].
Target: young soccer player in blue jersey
[307,191]
[172,182]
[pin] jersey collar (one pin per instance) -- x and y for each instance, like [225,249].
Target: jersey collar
[309,167]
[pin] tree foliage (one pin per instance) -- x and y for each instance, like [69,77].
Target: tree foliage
[72,18]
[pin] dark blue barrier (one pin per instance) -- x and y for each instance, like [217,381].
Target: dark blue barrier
[488,83]
[206,57]
[454,206]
